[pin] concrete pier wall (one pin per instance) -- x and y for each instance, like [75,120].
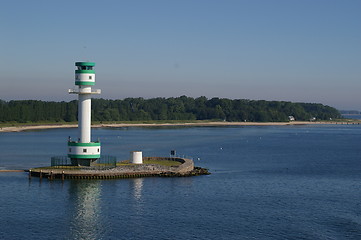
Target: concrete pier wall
[186,164]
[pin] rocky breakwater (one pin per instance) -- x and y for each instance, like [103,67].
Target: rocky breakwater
[185,169]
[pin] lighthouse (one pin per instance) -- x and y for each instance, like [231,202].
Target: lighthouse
[84,151]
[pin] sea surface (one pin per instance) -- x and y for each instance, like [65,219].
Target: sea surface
[352,116]
[267,182]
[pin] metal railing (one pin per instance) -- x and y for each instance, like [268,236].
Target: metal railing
[103,163]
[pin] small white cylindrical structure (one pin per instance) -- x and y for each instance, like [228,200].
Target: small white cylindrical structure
[136,157]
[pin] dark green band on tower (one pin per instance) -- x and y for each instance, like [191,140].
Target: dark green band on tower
[84,83]
[91,64]
[91,144]
[84,156]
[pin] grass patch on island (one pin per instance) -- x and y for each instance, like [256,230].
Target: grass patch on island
[167,163]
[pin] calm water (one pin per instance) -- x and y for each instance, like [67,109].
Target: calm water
[289,182]
[352,116]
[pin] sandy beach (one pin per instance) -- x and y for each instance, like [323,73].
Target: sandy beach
[51,126]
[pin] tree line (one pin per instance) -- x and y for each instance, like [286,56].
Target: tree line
[174,108]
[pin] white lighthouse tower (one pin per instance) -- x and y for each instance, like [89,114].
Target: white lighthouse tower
[83,151]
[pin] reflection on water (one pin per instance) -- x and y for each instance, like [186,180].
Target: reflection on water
[137,185]
[84,200]
[136,188]
[86,211]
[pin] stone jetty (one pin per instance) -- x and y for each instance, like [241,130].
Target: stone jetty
[186,168]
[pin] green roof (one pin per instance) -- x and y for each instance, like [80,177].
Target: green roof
[91,64]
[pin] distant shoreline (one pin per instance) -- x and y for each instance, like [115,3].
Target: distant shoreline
[52,126]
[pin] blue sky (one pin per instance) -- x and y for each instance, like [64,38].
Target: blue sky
[291,50]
